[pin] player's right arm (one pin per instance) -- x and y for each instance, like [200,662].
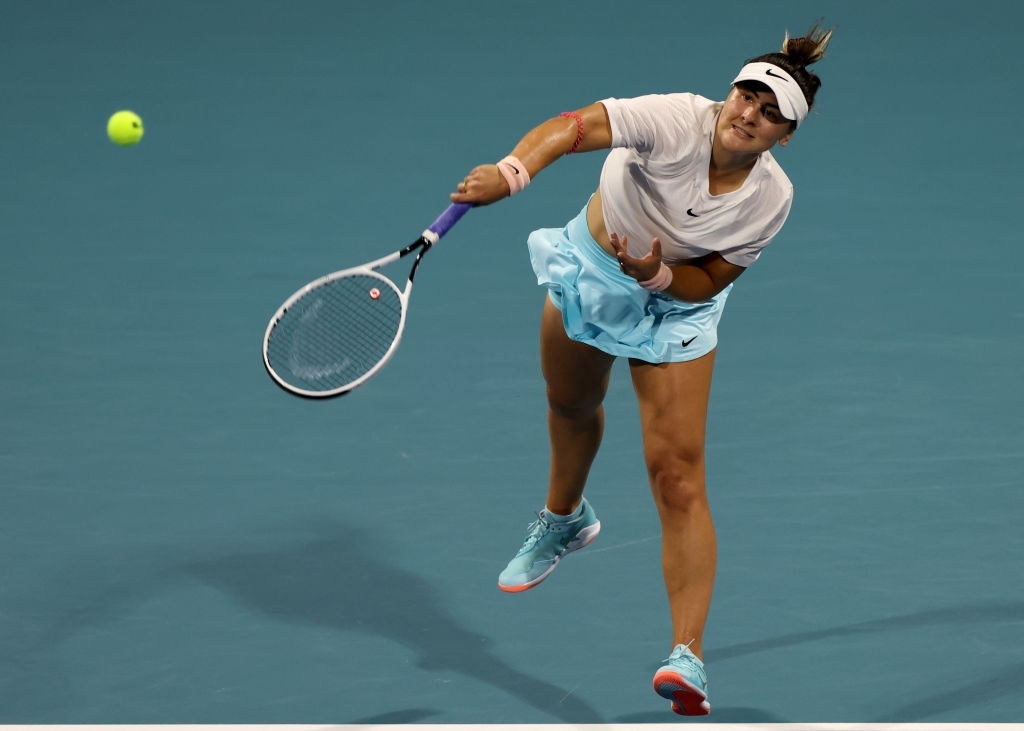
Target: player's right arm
[540,147]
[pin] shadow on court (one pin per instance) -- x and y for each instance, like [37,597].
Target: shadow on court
[340,582]
[1002,682]
[337,579]
[991,613]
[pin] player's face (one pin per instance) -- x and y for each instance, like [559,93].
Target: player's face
[751,122]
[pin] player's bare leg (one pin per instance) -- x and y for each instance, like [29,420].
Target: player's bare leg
[673,399]
[577,377]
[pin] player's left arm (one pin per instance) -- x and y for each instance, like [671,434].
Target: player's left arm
[703,278]
[696,280]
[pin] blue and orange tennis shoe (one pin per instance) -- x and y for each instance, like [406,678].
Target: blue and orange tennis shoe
[683,681]
[549,539]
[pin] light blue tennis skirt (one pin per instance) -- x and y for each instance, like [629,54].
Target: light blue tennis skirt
[609,310]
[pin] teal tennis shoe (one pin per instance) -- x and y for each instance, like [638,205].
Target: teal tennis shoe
[683,681]
[548,541]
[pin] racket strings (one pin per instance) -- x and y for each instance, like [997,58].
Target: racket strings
[336,333]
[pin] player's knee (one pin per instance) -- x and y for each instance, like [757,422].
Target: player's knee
[574,403]
[677,479]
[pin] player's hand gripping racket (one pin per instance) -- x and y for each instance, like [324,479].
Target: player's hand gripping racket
[338,331]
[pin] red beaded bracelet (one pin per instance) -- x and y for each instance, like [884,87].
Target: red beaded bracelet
[579,130]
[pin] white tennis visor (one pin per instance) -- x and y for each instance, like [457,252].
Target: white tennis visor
[792,103]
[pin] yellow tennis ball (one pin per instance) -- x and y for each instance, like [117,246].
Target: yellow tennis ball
[124,128]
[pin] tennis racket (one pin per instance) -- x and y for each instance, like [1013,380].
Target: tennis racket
[338,331]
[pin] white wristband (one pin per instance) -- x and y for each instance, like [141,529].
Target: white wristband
[514,172]
[660,281]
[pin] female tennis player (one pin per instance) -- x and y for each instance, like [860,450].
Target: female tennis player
[688,198]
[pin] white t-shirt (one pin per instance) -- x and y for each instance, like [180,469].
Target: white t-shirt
[655,183]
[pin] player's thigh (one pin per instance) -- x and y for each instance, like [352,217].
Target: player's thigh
[577,375]
[673,402]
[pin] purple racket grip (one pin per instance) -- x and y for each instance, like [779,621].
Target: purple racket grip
[449,218]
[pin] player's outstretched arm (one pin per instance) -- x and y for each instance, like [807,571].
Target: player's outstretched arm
[584,130]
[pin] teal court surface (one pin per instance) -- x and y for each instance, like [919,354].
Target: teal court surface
[182,543]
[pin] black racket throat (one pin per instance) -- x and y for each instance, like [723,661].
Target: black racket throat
[423,245]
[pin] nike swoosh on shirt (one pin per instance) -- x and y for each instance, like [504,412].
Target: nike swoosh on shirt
[689,212]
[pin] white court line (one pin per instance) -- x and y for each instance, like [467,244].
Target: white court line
[522,727]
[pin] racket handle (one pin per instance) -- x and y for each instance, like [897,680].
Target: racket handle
[445,221]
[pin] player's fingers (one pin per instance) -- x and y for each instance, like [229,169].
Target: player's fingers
[467,191]
[476,193]
[475,184]
[619,245]
[461,189]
